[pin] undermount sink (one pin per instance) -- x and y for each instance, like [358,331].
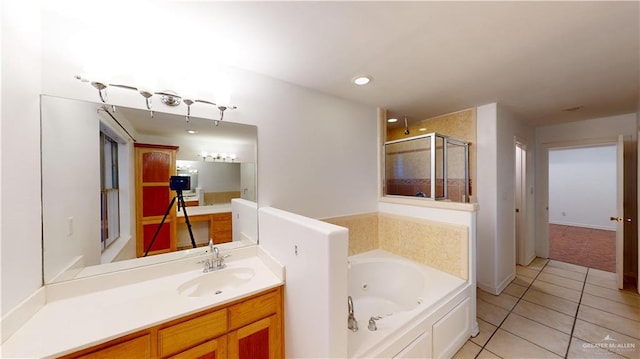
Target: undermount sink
[214,283]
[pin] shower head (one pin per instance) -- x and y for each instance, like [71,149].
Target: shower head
[406,126]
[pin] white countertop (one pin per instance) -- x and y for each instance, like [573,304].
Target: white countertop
[198,210]
[80,314]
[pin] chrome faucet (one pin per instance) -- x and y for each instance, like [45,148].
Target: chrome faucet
[352,322]
[216,262]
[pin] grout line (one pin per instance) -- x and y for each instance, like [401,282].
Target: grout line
[575,317]
[510,311]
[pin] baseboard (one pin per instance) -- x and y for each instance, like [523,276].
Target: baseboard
[582,225]
[19,315]
[496,290]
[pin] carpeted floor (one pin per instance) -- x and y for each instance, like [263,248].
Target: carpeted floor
[593,248]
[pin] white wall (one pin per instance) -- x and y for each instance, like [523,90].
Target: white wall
[585,133]
[314,254]
[497,131]
[317,154]
[21,270]
[582,187]
[70,184]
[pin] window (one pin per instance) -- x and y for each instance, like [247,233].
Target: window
[109,192]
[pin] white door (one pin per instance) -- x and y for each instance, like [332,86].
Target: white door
[520,185]
[619,217]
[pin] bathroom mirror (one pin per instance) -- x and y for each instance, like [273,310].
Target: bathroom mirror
[89,184]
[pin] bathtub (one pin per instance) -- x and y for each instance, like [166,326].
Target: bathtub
[423,312]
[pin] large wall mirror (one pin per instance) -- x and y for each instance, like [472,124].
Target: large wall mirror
[91,155]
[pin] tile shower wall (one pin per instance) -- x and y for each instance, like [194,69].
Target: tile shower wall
[440,245]
[460,125]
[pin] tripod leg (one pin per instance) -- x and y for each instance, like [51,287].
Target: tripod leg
[186,218]
[155,235]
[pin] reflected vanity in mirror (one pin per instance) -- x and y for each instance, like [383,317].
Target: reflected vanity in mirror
[91,186]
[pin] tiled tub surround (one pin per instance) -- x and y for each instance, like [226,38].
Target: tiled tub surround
[439,245]
[86,312]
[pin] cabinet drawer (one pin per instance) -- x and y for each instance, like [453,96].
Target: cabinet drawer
[181,336]
[253,309]
[224,216]
[216,349]
[135,348]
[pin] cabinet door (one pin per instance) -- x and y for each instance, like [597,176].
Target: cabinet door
[221,227]
[259,340]
[154,166]
[213,349]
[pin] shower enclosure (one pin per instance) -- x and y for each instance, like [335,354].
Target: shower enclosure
[431,166]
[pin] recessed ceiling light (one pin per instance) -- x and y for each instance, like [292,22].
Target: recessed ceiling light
[392,120]
[422,129]
[192,132]
[361,80]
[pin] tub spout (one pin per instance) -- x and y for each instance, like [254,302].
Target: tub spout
[352,322]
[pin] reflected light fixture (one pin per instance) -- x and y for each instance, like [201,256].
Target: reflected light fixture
[168,97]
[218,157]
[392,120]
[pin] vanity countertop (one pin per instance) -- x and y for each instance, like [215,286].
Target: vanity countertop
[83,313]
[199,210]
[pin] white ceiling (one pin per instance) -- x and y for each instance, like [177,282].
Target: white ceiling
[426,58]
[431,58]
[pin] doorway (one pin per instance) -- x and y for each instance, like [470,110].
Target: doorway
[582,198]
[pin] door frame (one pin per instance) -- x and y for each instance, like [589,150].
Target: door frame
[542,248]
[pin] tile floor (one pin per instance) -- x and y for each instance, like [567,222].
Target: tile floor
[557,310]
[593,248]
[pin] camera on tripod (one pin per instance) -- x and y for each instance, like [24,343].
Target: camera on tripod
[180,183]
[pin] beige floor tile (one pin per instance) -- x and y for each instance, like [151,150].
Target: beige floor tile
[564,273]
[619,296]
[568,266]
[490,313]
[579,349]
[537,264]
[523,280]
[485,354]
[468,351]
[610,306]
[558,291]
[561,281]
[546,316]
[523,271]
[515,290]
[503,300]
[549,301]
[537,333]
[486,331]
[611,321]
[507,345]
[594,334]
[602,278]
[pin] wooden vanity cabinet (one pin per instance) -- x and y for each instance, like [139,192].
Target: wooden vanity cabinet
[249,328]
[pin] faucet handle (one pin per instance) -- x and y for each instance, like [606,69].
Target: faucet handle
[207,265]
[372,323]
